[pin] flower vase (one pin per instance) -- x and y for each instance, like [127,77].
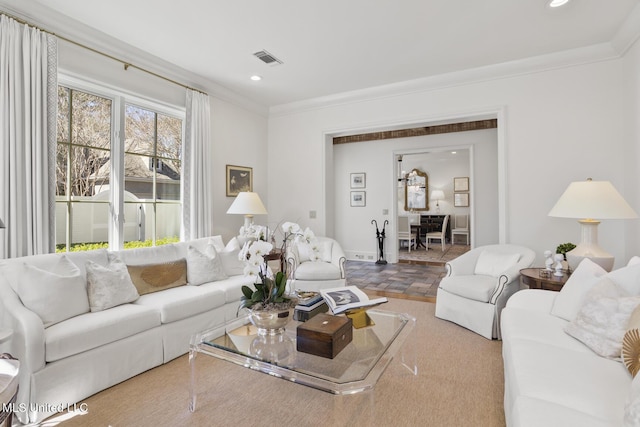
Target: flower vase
[272,321]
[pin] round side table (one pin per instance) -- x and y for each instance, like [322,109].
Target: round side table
[531,278]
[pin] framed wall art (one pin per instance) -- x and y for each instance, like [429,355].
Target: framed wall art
[239,178]
[359,180]
[461,184]
[461,199]
[358,198]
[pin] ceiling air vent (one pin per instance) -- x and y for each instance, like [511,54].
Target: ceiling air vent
[267,58]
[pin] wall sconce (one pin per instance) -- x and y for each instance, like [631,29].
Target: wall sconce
[437,195]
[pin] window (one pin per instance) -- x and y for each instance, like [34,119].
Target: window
[88,168]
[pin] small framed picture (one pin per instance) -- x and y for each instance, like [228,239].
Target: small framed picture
[359,180]
[358,198]
[461,199]
[239,178]
[461,184]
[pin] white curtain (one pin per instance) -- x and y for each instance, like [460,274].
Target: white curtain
[28,104]
[197,190]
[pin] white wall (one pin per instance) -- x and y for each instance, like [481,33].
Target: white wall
[559,126]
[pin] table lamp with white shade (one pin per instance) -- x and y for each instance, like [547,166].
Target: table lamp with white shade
[247,203]
[591,201]
[437,195]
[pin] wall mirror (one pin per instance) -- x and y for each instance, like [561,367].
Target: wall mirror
[415,191]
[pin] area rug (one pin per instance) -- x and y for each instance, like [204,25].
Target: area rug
[459,383]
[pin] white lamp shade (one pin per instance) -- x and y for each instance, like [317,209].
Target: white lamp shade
[437,195]
[247,203]
[592,200]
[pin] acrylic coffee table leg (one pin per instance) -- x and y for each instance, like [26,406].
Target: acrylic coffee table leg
[192,389]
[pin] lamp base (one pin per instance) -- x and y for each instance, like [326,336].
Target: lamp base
[589,248]
[602,258]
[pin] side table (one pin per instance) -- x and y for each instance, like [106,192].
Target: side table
[531,278]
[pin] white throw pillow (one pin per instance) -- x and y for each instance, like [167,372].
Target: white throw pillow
[635,260]
[231,265]
[628,278]
[571,296]
[109,286]
[204,267]
[322,251]
[305,252]
[494,264]
[54,295]
[217,242]
[603,318]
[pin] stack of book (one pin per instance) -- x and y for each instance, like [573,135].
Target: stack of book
[309,307]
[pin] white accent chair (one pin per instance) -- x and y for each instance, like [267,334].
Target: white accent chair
[460,227]
[478,285]
[439,235]
[404,231]
[312,272]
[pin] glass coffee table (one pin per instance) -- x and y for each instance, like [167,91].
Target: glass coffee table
[356,368]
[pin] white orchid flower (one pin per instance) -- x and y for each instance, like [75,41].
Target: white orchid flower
[260,248]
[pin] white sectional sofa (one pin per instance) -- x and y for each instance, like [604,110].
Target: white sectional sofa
[554,379]
[70,347]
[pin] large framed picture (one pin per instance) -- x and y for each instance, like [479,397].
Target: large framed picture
[461,199]
[359,180]
[461,184]
[358,198]
[239,178]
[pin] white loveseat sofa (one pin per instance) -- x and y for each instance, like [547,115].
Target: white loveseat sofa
[70,348]
[555,373]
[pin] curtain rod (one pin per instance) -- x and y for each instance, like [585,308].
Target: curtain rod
[125,63]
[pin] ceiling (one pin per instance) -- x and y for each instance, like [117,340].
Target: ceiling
[335,46]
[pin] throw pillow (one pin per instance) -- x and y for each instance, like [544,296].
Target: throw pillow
[305,252]
[635,260]
[603,318]
[569,300]
[631,344]
[231,264]
[150,278]
[109,286]
[322,250]
[628,278]
[494,264]
[204,267]
[54,295]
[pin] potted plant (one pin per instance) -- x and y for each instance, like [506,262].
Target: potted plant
[270,308]
[563,248]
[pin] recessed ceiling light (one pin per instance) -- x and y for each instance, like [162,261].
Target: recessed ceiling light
[558,3]
[256,78]
[454,152]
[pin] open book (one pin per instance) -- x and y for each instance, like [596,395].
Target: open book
[346,298]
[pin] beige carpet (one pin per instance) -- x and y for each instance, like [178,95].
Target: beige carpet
[459,383]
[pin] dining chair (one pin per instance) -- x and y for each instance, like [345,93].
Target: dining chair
[439,235]
[404,231]
[461,227]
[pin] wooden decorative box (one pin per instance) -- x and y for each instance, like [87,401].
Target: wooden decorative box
[324,335]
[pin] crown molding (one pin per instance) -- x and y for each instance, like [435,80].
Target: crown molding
[628,33]
[558,60]
[63,26]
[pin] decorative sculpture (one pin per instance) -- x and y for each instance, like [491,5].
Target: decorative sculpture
[559,258]
[380,235]
[548,260]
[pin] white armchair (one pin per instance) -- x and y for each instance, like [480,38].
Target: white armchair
[311,274]
[478,285]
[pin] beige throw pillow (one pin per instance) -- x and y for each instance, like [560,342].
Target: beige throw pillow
[150,278]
